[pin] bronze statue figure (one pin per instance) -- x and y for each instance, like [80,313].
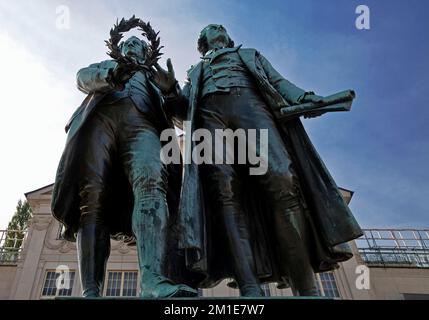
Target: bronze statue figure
[218,221]
[111,182]
[278,227]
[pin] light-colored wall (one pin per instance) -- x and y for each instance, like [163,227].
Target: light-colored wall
[60,252]
[7,274]
[384,283]
[44,251]
[392,283]
[346,277]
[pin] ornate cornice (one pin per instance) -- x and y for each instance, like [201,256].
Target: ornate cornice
[40,223]
[122,247]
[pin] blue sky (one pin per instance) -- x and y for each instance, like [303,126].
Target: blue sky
[380,149]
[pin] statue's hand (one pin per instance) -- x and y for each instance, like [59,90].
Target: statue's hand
[121,74]
[314,98]
[165,79]
[313,114]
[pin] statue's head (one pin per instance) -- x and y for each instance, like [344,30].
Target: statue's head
[134,47]
[212,36]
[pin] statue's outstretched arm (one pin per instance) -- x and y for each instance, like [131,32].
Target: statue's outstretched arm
[287,89]
[96,77]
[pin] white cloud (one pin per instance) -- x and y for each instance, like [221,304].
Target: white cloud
[37,81]
[34,106]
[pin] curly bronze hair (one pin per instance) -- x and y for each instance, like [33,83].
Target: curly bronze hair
[202,44]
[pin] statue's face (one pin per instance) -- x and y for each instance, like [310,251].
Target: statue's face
[134,47]
[215,34]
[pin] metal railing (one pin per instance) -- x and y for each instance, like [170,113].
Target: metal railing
[11,246]
[395,247]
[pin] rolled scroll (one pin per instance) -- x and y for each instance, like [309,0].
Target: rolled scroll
[341,101]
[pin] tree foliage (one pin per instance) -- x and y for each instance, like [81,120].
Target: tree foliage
[15,233]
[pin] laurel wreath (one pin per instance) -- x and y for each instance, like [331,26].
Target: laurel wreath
[116,34]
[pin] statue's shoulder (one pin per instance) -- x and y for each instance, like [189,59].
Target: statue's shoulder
[105,64]
[249,51]
[249,54]
[193,68]
[108,64]
[252,50]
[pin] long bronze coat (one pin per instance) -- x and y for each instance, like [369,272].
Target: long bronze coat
[65,198]
[330,221]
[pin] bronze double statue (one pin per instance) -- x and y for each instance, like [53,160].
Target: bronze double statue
[197,224]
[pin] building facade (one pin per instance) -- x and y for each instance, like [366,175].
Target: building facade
[387,264]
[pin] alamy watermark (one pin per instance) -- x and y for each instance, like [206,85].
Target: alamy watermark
[63,280]
[62,21]
[363,20]
[363,278]
[225,146]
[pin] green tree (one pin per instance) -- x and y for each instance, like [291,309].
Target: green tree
[15,233]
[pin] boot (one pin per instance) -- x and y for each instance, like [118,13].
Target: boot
[150,229]
[242,255]
[290,229]
[93,243]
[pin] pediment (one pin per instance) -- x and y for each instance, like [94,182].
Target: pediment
[40,193]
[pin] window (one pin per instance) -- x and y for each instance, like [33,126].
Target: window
[50,285]
[326,285]
[121,284]
[130,284]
